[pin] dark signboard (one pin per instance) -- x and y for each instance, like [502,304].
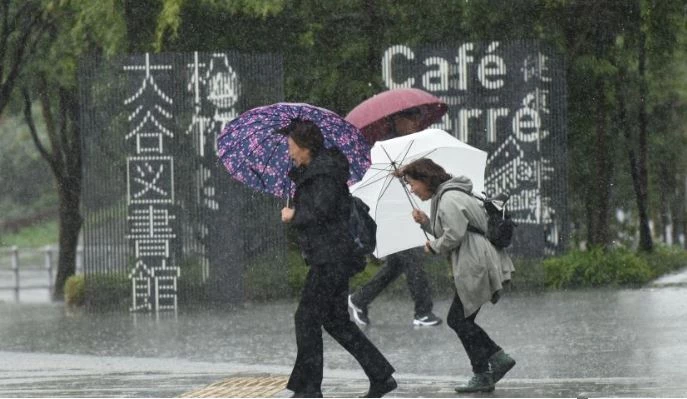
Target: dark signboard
[509,99]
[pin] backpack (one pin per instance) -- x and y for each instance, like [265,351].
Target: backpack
[363,228]
[500,225]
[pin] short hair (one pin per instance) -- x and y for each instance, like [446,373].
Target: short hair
[306,134]
[414,112]
[426,171]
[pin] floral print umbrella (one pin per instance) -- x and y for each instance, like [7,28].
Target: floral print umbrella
[256,154]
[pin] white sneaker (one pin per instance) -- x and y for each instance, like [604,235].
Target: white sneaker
[427,320]
[359,315]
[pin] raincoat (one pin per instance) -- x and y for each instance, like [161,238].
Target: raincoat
[479,269]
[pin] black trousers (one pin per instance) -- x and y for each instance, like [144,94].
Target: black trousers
[476,342]
[409,262]
[324,303]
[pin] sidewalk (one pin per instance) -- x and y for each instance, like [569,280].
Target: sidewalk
[595,343]
[45,375]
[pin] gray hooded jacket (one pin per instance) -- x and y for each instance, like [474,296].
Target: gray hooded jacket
[478,267]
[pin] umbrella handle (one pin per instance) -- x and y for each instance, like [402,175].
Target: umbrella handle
[288,200]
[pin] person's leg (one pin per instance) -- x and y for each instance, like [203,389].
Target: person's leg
[411,261]
[348,335]
[478,345]
[385,276]
[306,376]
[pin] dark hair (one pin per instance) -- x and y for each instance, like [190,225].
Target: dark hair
[427,171]
[413,112]
[306,134]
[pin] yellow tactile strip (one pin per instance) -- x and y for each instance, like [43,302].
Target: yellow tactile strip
[242,387]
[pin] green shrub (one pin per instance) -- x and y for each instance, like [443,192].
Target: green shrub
[297,270]
[266,278]
[529,275]
[596,267]
[666,259]
[32,236]
[75,290]
[108,291]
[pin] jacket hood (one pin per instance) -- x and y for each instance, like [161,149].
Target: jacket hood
[462,183]
[329,161]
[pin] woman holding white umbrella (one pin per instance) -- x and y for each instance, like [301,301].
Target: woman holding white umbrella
[476,265]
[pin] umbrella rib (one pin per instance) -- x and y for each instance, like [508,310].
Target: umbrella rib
[247,136]
[381,194]
[269,158]
[258,175]
[372,181]
[256,146]
[405,189]
[375,178]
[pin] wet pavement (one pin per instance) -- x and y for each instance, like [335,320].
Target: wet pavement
[604,342]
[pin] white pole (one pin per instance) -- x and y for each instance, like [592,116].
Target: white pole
[48,267]
[15,269]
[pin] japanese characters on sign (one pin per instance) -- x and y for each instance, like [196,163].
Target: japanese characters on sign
[155,196]
[150,187]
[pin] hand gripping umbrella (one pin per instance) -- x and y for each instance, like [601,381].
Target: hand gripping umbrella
[372,116]
[256,154]
[390,203]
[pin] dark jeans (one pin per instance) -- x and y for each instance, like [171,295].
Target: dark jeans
[409,262]
[324,304]
[476,342]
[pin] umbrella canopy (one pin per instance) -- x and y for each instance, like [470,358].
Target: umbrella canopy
[256,154]
[370,116]
[389,201]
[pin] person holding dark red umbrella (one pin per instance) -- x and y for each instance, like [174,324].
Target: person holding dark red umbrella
[394,113]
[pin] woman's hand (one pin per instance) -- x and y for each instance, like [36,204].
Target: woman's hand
[428,248]
[287,214]
[495,297]
[420,217]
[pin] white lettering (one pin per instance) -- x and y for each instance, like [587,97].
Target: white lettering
[492,115]
[463,59]
[436,79]
[526,124]
[387,73]
[464,115]
[490,66]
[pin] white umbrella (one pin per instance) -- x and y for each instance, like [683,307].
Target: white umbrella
[390,202]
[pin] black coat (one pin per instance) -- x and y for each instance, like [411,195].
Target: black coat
[322,209]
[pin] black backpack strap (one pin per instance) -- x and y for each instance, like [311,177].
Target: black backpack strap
[471,228]
[475,230]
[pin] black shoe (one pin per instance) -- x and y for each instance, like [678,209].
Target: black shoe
[314,394]
[381,388]
[359,314]
[428,319]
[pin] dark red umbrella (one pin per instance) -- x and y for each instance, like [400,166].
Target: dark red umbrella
[371,116]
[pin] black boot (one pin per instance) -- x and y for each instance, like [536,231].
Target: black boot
[381,388]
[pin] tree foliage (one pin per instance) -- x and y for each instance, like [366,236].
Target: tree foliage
[47,76]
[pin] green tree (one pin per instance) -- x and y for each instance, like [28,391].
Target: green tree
[22,25]
[75,28]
